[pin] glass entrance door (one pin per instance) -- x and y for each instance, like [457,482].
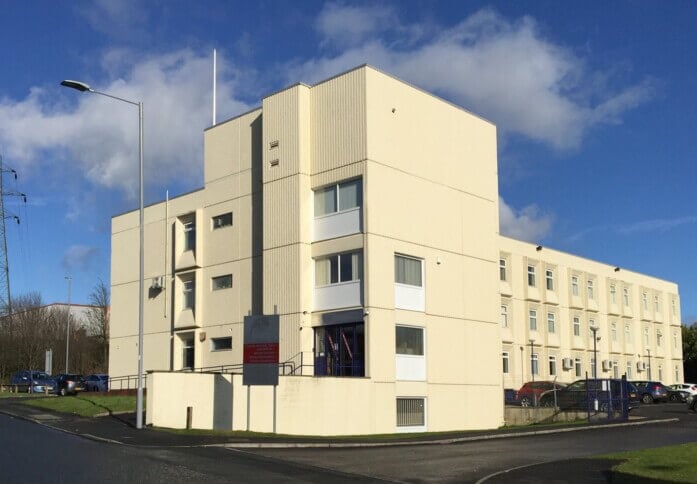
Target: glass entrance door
[339,350]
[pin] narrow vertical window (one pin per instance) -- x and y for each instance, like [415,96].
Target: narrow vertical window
[551,323]
[533,363]
[531,276]
[625,295]
[613,294]
[613,331]
[574,285]
[549,276]
[591,290]
[502,269]
[506,362]
[552,365]
[533,320]
[577,326]
[645,301]
[577,367]
[189,236]
[504,316]
[646,336]
[188,294]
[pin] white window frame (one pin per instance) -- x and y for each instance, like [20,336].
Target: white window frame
[414,259]
[504,315]
[574,286]
[576,321]
[659,338]
[552,364]
[506,362]
[578,367]
[613,294]
[411,426]
[645,301]
[630,369]
[189,293]
[532,277]
[532,316]
[656,303]
[590,289]
[549,279]
[646,336]
[503,270]
[625,295]
[336,188]
[534,364]
[613,331]
[189,230]
[354,277]
[551,323]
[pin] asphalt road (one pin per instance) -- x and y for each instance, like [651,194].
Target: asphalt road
[550,458]
[33,453]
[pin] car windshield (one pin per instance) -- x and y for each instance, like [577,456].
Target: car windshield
[39,375]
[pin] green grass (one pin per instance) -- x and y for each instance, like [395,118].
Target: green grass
[86,406]
[675,463]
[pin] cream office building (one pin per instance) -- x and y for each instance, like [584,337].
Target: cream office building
[364,212]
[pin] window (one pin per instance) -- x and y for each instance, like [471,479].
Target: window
[220,221]
[549,276]
[409,341]
[615,369]
[533,364]
[188,294]
[645,301]
[677,373]
[411,412]
[338,268]
[672,307]
[574,285]
[506,362]
[590,286]
[533,320]
[656,303]
[551,322]
[221,282]
[675,340]
[627,334]
[629,370]
[646,336]
[338,198]
[591,324]
[660,372]
[339,350]
[613,294]
[625,295]
[531,276]
[552,365]
[188,353]
[659,339]
[577,367]
[504,316]
[189,236]
[613,331]
[408,271]
[502,269]
[221,344]
[577,326]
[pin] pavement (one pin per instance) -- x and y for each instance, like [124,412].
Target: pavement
[121,429]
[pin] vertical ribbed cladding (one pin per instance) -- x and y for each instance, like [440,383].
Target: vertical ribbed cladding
[338,125]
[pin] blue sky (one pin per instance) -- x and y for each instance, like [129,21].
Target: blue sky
[594,103]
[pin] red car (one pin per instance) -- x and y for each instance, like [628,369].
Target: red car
[529,393]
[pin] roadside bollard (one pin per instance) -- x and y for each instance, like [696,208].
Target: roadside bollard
[189,412]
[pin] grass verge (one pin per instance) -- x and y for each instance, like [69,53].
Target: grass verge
[86,406]
[674,463]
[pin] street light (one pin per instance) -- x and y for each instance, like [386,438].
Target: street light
[532,362]
[67,331]
[82,87]
[595,352]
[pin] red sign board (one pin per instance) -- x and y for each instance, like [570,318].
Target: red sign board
[255,353]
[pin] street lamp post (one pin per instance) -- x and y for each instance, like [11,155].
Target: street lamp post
[648,352]
[595,352]
[532,361]
[82,87]
[67,331]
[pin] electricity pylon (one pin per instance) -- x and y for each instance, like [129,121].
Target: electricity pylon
[5,299]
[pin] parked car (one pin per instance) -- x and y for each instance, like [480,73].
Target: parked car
[692,403]
[529,393]
[690,388]
[32,381]
[677,395]
[97,382]
[68,384]
[580,394]
[651,391]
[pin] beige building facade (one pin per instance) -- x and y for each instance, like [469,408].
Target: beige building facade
[364,212]
[550,301]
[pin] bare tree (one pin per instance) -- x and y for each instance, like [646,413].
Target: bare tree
[98,320]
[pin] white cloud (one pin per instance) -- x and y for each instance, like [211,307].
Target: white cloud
[79,258]
[100,134]
[348,25]
[504,70]
[527,224]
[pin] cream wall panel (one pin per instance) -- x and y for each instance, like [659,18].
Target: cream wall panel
[338,121]
[414,131]
[229,147]
[282,267]
[123,355]
[345,172]
[282,211]
[225,357]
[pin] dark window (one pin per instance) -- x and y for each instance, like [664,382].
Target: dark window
[339,350]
